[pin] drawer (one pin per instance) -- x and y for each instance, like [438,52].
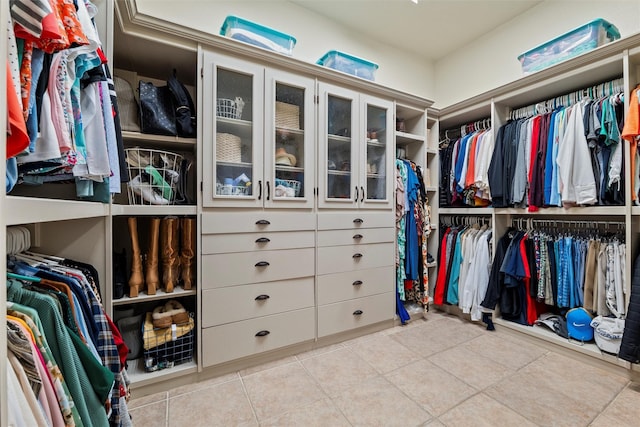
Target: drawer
[347,315]
[358,237]
[336,259]
[241,268]
[226,305]
[247,242]
[331,221]
[258,221]
[355,284]
[234,340]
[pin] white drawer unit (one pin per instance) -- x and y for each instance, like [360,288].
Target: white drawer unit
[355,284]
[334,221]
[356,237]
[232,304]
[235,340]
[258,221]
[246,242]
[255,267]
[355,313]
[336,259]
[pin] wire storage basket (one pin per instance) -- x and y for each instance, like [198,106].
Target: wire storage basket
[153,176]
[167,347]
[229,108]
[287,188]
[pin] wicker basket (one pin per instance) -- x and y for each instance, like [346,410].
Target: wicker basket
[153,176]
[230,108]
[287,115]
[228,148]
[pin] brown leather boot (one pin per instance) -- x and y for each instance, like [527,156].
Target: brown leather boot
[151,273]
[136,280]
[188,251]
[170,244]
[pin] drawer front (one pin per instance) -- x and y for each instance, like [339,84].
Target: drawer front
[254,222]
[228,342]
[355,284]
[357,237]
[347,315]
[232,304]
[333,221]
[241,268]
[247,242]
[337,259]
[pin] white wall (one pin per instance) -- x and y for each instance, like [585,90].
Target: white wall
[315,36]
[491,60]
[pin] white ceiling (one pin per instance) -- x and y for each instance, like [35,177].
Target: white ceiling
[430,28]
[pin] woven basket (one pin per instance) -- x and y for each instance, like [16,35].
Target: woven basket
[228,148]
[287,115]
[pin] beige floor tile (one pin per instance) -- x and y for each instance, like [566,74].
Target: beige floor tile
[203,384]
[624,410]
[480,410]
[508,353]
[318,351]
[338,370]
[384,353]
[154,414]
[282,389]
[433,423]
[376,402]
[472,368]
[268,365]
[529,396]
[145,400]
[430,386]
[421,342]
[319,414]
[218,405]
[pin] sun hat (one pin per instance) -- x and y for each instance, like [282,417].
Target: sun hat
[608,333]
[284,158]
[579,324]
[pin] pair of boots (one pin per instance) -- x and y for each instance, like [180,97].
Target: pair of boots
[163,234]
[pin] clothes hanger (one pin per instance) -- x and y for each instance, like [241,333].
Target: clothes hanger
[44,256]
[23,278]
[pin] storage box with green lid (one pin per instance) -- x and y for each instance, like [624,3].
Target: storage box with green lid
[258,35]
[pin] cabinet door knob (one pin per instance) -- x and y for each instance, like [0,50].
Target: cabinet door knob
[263,333]
[357,236]
[262,222]
[262,264]
[358,255]
[361,195]
[259,190]
[357,283]
[357,312]
[262,297]
[263,240]
[358,221]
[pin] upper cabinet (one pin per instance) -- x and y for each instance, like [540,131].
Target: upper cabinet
[258,130]
[355,149]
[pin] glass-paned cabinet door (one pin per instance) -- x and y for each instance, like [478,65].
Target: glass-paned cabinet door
[377,153]
[289,136]
[233,129]
[339,184]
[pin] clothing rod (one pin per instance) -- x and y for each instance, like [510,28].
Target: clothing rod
[560,223]
[462,130]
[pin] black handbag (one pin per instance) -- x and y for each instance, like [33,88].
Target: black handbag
[182,193]
[157,113]
[184,109]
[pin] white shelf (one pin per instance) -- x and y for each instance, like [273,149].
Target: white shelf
[156,210]
[635,210]
[376,176]
[235,164]
[376,144]
[160,295]
[160,141]
[403,138]
[432,151]
[341,139]
[139,377]
[465,211]
[241,128]
[582,210]
[431,188]
[289,131]
[28,210]
[339,173]
[282,168]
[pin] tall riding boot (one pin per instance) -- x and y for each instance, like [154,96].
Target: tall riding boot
[188,250]
[170,244]
[136,280]
[151,274]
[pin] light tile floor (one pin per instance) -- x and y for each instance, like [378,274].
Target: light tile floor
[433,372]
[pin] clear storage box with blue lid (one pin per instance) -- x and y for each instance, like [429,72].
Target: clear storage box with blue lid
[246,31]
[349,64]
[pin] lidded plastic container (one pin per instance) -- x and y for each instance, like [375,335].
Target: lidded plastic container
[349,64]
[258,35]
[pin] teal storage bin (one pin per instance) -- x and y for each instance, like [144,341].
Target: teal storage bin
[349,64]
[258,35]
[576,42]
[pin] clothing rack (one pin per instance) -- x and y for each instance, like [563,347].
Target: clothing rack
[568,225]
[455,133]
[599,90]
[467,220]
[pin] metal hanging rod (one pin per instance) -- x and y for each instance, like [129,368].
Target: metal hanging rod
[465,129]
[457,220]
[530,223]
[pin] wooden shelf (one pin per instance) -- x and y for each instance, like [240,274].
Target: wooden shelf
[154,210]
[28,210]
[160,295]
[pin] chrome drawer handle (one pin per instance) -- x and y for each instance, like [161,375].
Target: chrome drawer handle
[263,333]
[262,297]
[358,221]
[263,240]
[357,312]
[357,256]
[262,222]
[262,264]
[357,283]
[358,236]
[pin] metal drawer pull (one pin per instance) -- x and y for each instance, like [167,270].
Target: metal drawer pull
[262,264]
[262,297]
[358,236]
[357,312]
[357,194]
[263,240]
[357,256]
[358,221]
[263,333]
[262,222]
[362,195]
[357,283]
[268,189]
[259,190]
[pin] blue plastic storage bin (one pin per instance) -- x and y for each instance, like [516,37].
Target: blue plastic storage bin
[349,64]
[258,35]
[576,42]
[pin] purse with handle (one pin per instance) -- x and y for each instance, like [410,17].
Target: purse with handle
[157,113]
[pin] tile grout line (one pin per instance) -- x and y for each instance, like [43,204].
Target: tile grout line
[246,394]
[166,411]
[599,414]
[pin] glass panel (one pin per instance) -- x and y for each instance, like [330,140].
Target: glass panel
[339,159]
[289,139]
[234,136]
[376,153]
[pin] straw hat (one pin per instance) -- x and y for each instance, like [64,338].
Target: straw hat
[284,158]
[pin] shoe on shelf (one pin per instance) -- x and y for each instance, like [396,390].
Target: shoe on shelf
[145,191]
